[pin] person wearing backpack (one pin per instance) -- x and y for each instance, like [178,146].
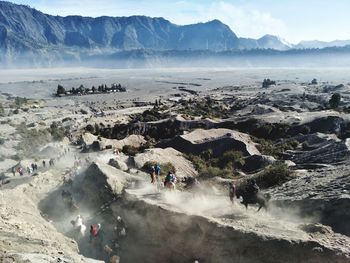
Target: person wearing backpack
[157,170]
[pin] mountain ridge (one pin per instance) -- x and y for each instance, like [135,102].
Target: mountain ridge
[27,34]
[23,27]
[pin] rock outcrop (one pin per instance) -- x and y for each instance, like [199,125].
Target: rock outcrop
[218,140]
[319,148]
[95,143]
[322,193]
[183,166]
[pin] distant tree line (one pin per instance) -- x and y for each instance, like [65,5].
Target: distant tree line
[61,91]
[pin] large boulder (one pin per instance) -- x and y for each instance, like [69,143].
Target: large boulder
[218,140]
[320,148]
[183,166]
[95,143]
[103,182]
[118,164]
[257,162]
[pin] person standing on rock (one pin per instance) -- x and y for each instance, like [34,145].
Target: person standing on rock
[44,163]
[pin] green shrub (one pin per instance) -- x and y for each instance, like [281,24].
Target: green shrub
[210,172]
[231,159]
[210,167]
[130,150]
[2,111]
[334,101]
[274,149]
[275,174]
[305,129]
[57,131]
[32,139]
[20,101]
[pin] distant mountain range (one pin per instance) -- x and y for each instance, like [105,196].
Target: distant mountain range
[30,35]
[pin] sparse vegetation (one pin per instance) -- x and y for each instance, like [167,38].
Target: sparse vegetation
[149,115]
[274,149]
[19,102]
[205,108]
[130,150]
[334,101]
[224,166]
[57,131]
[32,139]
[2,110]
[275,174]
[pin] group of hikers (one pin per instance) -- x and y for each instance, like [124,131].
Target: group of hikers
[100,240]
[169,181]
[20,170]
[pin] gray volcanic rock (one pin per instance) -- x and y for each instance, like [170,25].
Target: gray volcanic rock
[183,166]
[118,164]
[319,148]
[257,162]
[219,140]
[322,194]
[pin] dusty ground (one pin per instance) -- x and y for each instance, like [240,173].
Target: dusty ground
[25,234]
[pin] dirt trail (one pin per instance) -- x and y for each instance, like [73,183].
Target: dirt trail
[25,234]
[276,223]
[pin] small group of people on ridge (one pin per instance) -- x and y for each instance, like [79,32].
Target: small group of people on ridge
[170,179]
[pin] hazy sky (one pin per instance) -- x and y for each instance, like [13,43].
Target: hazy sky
[293,20]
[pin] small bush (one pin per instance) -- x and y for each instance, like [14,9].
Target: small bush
[2,111]
[275,174]
[334,101]
[56,131]
[130,150]
[231,159]
[274,149]
[32,138]
[20,101]
[210,172]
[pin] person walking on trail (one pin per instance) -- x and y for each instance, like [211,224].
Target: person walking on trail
[153,175]
[44,163]
[232,191]
[14,171]
[96,235]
